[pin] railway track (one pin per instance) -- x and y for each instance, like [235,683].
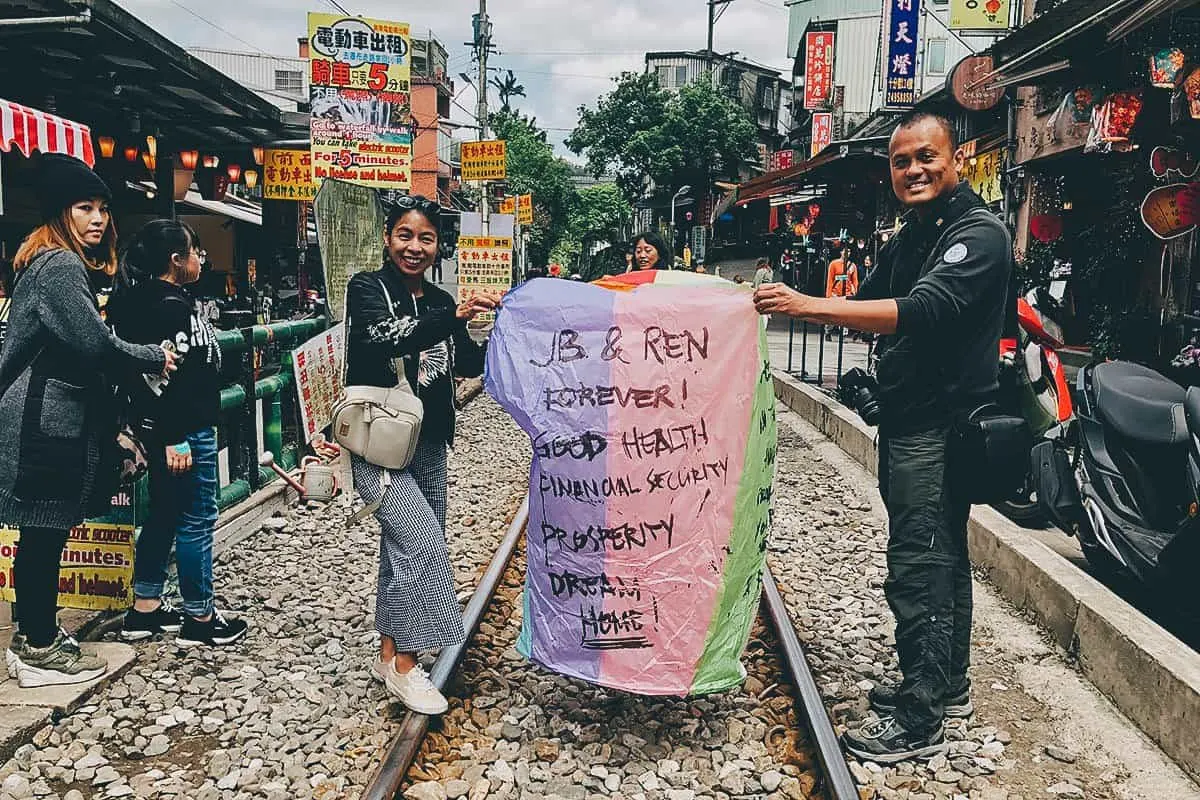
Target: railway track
[405,747]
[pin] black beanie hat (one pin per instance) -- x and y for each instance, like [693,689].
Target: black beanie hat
[64,181]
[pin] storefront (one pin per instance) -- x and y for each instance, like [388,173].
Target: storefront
[170,135]
[1104,167]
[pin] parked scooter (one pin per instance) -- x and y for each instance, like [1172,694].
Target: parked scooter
[1035,387]
[1124,479]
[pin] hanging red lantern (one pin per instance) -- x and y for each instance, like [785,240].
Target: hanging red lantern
[1046,228]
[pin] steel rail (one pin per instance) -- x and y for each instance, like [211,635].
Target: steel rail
[808,697]
[405,746]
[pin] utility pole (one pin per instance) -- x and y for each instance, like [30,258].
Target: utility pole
[483,43]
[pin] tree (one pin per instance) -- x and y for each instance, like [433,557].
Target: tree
[639,130]
[534,169]
[598,213]
[508,89]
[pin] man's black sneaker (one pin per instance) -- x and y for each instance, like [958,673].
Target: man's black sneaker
[216,631]
[142,625]
[886,741]
[883,701]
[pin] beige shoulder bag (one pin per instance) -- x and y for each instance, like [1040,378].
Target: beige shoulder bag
[379,424]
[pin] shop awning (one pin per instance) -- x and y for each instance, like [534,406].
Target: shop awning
[1038,48]
[29,129]
[789,181]
[233,207]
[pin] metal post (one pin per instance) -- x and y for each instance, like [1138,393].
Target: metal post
[820,354]
[841,348]
[483,43]
[791,336]
[804,351]
[248,422]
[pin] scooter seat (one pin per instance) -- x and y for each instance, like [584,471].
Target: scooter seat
[1140,404]
[1192,406]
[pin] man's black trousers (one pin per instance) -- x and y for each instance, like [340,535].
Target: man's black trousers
[928,585]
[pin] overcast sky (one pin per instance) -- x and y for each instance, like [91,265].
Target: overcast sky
[563,51]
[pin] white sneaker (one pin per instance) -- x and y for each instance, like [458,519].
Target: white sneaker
[416,691]
[381,668]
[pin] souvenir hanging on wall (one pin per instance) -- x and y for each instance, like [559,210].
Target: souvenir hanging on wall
[1165,65]
[1112,123]
[1165,160]
[1172,210]
[1074,112]
[1046,228]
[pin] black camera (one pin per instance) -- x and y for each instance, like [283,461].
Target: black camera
[860,391]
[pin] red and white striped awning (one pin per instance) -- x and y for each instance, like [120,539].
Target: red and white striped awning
[30,129]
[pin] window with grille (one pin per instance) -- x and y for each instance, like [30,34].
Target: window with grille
[935,57]
[681,78]
[664,77]
[289,81]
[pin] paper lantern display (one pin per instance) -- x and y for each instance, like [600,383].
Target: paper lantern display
[650,523]
[1165,66]
[107,145]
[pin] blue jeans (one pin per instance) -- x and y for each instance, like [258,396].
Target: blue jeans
[183,511]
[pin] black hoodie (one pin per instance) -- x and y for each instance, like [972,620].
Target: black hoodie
[158,312]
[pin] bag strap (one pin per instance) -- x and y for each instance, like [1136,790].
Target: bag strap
[402,378]
[401,370]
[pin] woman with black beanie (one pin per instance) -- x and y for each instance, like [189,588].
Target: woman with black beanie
[176,418]
[55,372]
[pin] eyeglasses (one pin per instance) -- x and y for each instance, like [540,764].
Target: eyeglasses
[200,254]
[410,202]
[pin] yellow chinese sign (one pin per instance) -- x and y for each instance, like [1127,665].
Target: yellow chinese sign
[984,175]
[508,205]
[525,209]
[484,265]
[287,175]
[483,161]
[979,15]
[360,100]
[95,572]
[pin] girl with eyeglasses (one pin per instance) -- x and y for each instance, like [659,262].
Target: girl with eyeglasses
[402,327]
[177,420]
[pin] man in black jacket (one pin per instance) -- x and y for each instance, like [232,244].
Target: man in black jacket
[938,298]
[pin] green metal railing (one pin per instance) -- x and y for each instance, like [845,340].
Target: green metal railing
[277,391]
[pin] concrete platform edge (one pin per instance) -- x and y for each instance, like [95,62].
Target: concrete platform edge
[1153,678]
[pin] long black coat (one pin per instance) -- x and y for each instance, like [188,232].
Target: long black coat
[54,394]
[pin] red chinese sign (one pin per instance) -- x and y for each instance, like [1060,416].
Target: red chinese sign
[818,69]
[822,132]
[782,159]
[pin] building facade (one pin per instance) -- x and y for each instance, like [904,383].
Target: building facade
[432,91]
[279,80]
[757,89]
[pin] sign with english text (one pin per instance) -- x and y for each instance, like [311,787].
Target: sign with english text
[900,38]
[648,399]
[359,94]
[95,569]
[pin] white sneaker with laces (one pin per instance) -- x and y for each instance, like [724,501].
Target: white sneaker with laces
[416,691]
[381,669]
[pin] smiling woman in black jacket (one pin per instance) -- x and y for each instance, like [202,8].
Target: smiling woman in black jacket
[402,327]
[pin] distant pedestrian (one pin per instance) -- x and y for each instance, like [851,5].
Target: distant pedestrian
[629,258]
[763,273]
[650,252]
[177,421]
[841,281]
[56,369]
[402,327]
